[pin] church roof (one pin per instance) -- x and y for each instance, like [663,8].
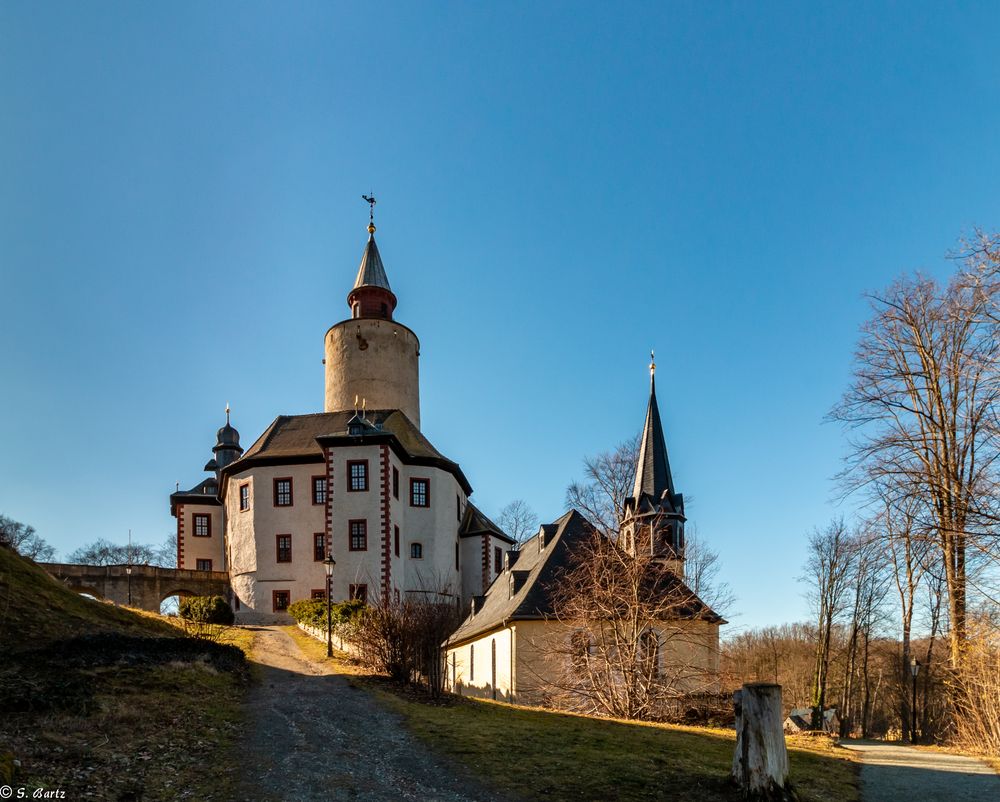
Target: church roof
[371,273]
[475,523]
[295,439]
[524,591]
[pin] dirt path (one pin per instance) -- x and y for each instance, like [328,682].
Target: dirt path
[310,735]
[890,772]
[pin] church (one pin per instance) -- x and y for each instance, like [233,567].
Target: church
[358,481]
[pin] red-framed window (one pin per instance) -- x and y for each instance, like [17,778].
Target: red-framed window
[497,560]
[416,551]
[202,524]
[359,592]
[283,492]
[357,535]
[203,565]
[280,599]
[395,540]
[357,475]
[244,497]
[284,548]
[319,489]
[317,594]
[319,546]
[420,492]
[395,482]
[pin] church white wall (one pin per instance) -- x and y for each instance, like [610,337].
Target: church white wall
[472,670]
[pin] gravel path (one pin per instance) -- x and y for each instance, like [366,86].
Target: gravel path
[310,735]
[890,772]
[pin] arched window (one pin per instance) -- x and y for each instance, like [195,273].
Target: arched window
[649,653]
[416,551]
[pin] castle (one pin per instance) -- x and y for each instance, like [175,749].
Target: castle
[358,481]
[361,483]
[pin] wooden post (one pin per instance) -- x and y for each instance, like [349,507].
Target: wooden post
[760,762]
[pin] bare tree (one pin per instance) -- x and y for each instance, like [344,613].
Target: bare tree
[702,573]
[633,638]
[609,479]
[922,409]
[518,520]
[827,577]
[23,539]
[104,552]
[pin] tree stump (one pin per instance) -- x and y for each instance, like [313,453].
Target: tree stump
[760,762]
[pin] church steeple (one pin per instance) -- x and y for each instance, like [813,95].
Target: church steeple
[654,513]
[371,295]
[652,473]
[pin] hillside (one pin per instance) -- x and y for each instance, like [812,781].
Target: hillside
[109,703]
[35,609]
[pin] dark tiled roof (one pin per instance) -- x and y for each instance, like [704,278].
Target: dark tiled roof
[536,572]
[475,523]
[294,438]
[371,273]
[652,475]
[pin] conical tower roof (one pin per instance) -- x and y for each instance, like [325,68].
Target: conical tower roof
[371,273]
[652,472]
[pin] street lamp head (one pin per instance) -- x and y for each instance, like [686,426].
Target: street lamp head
[914,667]
[128,570]
[330,564]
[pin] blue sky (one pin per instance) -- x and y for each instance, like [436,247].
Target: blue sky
[562,186]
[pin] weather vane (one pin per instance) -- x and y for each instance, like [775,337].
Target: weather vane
[370,200]
[652,363]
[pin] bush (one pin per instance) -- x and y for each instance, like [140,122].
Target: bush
[312,613]
[207,610]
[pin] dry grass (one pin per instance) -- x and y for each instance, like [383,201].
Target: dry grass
[122,728]
[566,757]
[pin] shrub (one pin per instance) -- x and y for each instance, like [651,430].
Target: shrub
[312,612]
[207,610]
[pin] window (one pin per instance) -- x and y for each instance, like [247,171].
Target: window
[420,492]
[244,498]
[497,560]
[395,482]
[317,594]
[280,600]
[472,661]
[357,475]
[359,592]
[458,508]
[319,546]
[202,525]
[395,537]
[456,555]
[358,535]
[416,551]
[284,543]
[282,492]
[203,565]
[319,489]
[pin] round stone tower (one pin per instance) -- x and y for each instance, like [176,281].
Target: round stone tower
[371,357]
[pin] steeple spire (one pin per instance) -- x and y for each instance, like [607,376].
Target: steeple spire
[652,471]
[371,295]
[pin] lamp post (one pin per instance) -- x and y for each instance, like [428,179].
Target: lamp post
[914,670]
[329,563]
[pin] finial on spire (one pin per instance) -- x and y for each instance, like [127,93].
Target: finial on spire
[370,200]
[227,413]
[652,364]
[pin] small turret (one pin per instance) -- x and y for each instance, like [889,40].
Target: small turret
[227,448]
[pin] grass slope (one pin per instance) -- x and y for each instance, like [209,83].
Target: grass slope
[110,703]
[35,609]
[542,754]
